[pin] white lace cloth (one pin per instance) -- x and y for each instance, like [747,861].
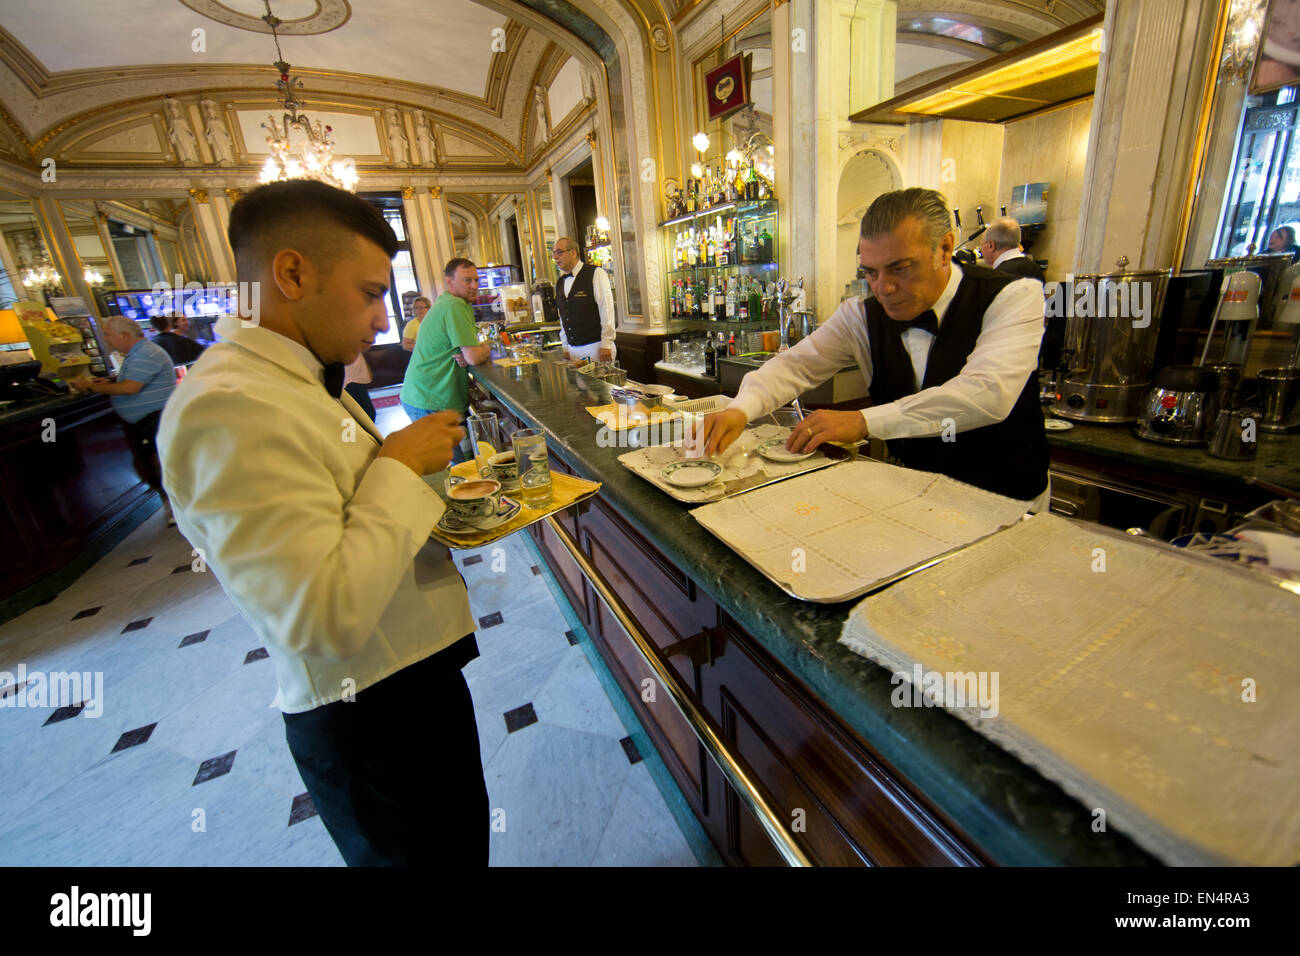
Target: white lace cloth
[833,534]
[1124,672]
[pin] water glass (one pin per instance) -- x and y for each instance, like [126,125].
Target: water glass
[485,439]
[534,466]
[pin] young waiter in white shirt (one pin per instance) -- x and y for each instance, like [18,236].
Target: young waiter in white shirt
[950,356]
[318,530]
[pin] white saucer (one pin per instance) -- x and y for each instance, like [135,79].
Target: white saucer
[451,524]
[775,450]
[691,474]
[1057,425]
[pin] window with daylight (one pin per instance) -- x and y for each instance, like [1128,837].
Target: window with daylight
[402,278]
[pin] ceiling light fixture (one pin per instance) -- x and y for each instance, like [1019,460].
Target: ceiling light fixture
[315,155]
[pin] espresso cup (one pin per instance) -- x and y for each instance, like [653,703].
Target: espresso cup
[504,467]
[477,498]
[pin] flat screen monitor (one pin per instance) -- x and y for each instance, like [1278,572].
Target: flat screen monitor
[1029,204]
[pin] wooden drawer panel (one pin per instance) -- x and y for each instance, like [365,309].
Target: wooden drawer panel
[800,755]
[566,569]
[672,735]
[659,595]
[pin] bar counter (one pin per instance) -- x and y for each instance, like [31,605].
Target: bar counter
[69,491]
[880,784]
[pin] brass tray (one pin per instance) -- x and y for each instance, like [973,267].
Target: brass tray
[566,490]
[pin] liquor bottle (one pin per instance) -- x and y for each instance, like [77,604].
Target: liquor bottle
[751,182]
[710,357]
[738,184]
[690,195]
[765,245]
[755,303]
[719,303]
[703,305]
[731,344]
[721,181]
[731,303]
[712,251]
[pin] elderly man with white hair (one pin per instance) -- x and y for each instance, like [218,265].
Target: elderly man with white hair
[144,383]
[1001,250]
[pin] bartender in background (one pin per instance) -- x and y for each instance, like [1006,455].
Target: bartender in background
[1001,250]
[949,355]
[586,304]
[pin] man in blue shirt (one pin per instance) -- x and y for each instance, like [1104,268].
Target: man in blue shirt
[144,383]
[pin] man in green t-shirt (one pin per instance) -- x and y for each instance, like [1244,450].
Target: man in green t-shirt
[447,342]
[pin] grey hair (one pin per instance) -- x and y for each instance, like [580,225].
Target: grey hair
[889,210]
[123,326]
[1004,233]
[569,244]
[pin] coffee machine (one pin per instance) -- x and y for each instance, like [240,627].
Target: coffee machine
[1110,342]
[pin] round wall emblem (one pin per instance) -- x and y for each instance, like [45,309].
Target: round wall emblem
[328,15]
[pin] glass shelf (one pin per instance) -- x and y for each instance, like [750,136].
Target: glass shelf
[744,207]
[696,270]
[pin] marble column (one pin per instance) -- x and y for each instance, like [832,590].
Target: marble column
[431,240]
[207,224]
[835,57]
[1154,62]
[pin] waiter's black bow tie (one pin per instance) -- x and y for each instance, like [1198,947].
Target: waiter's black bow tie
[927,320]
[334,379]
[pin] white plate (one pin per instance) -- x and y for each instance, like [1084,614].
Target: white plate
[452,524]
[775,450]
[1057,425]
[691,474]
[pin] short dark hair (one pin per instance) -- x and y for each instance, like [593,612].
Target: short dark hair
[1288,233]
[454,264]
[305,215]
[422,298]
[161,322]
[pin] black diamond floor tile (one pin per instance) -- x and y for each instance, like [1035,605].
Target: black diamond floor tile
[259,654]
[179,568]
[519,718]
[8,690]
[629,748]
[65,713]
[88,612]
[473,559]
[214,767]
[137,625]
[133,738]
[490,620]
[303,809]
[536,570]
[573,638]
[139,561]
[194,638]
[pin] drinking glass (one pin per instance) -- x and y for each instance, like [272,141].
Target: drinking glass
[485,439]
[534,466]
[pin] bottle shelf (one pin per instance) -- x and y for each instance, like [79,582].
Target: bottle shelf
[696,270]
[743,207]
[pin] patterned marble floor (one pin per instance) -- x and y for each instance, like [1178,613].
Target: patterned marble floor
[187,764]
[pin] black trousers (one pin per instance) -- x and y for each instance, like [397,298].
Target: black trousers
[142,437]
[396,774]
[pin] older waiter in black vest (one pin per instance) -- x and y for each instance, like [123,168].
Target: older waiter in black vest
[949,354]
[585,301]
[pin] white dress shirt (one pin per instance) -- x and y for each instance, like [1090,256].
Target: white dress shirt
[1005,355]
[1012,253]
[604,295]
[323,546]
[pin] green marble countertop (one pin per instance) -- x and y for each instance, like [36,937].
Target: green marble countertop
[1277,459]
[1014,814]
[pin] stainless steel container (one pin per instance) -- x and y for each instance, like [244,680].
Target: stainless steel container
[1110,346]
[1181,408]
[1229,378]
[1279,391]
[1234,434]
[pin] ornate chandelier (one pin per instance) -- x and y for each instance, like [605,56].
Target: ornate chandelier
[315,155]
